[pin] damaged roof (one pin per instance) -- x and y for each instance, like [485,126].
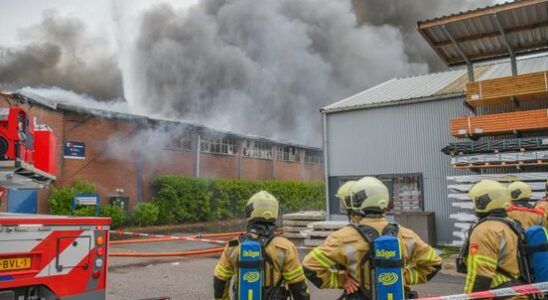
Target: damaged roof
[116,111]
[434,86]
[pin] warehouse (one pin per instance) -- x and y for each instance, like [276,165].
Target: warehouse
[405,122]
[122,152]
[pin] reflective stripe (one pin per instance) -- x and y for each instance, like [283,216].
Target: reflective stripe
[322,258]
[413,275]
[293,274]
[220,270]
[334,280]
[485,261]
[471,278]
[499,280]
[432,255]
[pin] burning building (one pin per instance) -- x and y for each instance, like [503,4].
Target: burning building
[123,152]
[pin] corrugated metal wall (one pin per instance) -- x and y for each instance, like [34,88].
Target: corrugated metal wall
[399,139]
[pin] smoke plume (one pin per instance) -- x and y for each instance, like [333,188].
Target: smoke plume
[262,67]
[404,15]
[60,52]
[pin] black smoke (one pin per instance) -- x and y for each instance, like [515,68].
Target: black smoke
[60,52]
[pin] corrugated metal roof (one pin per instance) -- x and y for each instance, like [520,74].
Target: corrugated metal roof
[433,86]
[475,35]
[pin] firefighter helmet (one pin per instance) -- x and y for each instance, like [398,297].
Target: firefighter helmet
[262,206]
[520,190]
[367,193]
[344,192]
[488,195]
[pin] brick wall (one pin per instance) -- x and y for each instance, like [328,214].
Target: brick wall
[109,161]
[313,172]
[288,170]
[169,162]
[218,165]
[257,169]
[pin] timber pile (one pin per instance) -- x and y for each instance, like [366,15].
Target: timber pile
[295,224]
[501,90]
[505,123]
[318,231]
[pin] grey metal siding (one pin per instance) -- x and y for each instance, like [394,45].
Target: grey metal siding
[399,139]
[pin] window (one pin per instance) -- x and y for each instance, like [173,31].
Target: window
[254,149]
[313,157]
[179,143]
[287,153]
[219,146]
[407,192]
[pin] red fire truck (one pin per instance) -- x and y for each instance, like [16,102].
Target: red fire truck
[44,257]
[52,257]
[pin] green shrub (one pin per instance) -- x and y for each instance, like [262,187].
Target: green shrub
[85,211]
[189,199]
[60,199]
[116,213]
[145,214]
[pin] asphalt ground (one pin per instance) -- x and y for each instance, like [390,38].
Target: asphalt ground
[191,277]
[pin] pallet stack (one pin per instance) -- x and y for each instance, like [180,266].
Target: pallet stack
[295,225]
[318,231]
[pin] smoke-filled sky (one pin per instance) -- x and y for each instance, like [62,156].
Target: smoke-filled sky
[260,67]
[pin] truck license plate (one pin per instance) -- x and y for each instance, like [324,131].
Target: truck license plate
[15,263]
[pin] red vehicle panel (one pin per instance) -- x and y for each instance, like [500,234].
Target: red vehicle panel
[53,257]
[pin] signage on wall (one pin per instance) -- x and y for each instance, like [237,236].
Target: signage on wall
[75,150]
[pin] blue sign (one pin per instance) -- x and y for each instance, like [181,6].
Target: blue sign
[75,150]
[86,200]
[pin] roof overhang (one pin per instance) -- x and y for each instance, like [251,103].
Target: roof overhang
[499,31]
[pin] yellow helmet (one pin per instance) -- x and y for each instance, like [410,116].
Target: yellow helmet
[262,206]
[344,191]
[489,195]
[520,190]
[368,192]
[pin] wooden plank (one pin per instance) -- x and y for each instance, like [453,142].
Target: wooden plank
[501,90]
[306,215]
[504,123]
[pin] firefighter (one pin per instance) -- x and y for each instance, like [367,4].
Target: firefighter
[521,210]
[282,266]
[336,263]
[492,259]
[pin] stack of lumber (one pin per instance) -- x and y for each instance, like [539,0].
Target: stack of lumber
[503,157]
[318,231]
[295,224]
[504,123]
[501,90]
[495,146]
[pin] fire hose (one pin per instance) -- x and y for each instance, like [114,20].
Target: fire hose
[161,238]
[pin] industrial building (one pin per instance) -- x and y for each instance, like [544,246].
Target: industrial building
[494,95]
[122,153]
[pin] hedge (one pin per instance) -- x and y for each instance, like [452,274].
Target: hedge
[60,200]
[189,199]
